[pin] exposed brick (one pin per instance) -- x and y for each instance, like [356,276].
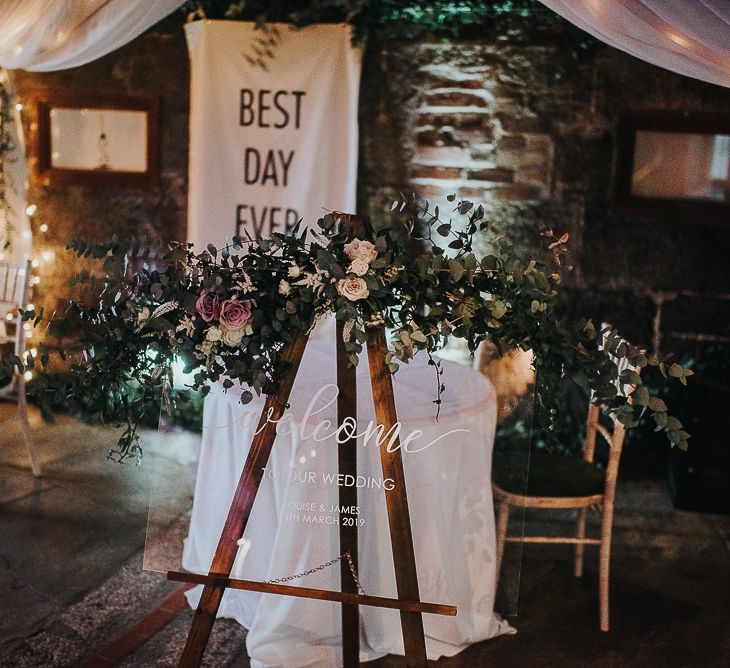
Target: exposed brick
[432,172]
[445,136]
[468,119]
[511,142]
[443,155]
[456,97]
[518,192]
[514,124]
[521,159]
[433,191]
[454,79]
[483,152]
[471,191]
[498,174]
[538,176]
[452,76]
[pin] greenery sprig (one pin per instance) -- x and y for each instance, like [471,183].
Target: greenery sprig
[227,313]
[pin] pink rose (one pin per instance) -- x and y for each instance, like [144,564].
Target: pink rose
[207,305]
[235,313]
[358,249]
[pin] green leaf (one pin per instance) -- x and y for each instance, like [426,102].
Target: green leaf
[676,371]
[630,377]
[640,396]
[456,270]
[657,405]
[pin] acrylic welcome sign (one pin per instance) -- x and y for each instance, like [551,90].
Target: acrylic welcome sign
[293,534]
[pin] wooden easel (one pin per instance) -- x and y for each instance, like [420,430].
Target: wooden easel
[408,601]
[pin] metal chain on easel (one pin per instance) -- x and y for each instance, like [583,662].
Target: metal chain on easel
[332,562]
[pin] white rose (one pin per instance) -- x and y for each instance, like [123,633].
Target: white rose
[284,287]
[353,288]
[359,267]
[358,249]
[233,337]
[294,271]
[143,316]
[213,334]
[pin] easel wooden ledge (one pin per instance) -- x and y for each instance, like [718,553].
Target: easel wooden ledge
[401,537]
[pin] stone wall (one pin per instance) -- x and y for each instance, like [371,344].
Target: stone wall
[493,123]
[487,121]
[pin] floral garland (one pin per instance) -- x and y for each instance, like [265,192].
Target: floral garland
[228,313]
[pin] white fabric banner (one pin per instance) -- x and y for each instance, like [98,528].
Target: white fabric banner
[275,143]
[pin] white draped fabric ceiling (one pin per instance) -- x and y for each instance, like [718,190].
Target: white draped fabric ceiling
[45,35]
[691,37]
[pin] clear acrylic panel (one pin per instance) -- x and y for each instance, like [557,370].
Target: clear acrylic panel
[513,379]
[294,528]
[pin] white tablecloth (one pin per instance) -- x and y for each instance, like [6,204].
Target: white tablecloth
[450,504]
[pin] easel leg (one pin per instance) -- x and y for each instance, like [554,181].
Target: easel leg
[401,537]
[347,464]
[240,509]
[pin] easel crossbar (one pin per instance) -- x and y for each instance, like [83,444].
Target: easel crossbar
[309,592]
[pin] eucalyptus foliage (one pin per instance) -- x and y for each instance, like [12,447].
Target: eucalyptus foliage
[399,19]
[228,312]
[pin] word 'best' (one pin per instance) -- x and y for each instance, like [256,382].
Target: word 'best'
[271,109]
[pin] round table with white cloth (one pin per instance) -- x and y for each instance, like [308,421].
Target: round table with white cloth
[449,494]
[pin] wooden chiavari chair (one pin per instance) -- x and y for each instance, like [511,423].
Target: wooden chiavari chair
[566,483]
[14,295]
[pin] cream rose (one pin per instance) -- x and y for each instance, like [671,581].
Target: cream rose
[233,337]
[143,316]
[353,288]
[284,287]
[359,267]
[358,249]
[213,334]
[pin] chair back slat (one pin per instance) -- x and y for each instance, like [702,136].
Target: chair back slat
[15,279]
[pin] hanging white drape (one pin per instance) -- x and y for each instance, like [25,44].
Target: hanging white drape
[691,37]
[45,35]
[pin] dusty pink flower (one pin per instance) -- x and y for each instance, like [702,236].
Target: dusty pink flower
[235,313]
[207,305]
[358,249]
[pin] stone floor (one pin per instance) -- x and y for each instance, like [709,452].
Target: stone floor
[71,580]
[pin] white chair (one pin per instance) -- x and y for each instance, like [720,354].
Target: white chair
[14,295]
